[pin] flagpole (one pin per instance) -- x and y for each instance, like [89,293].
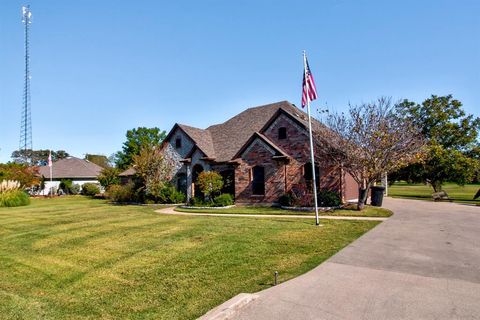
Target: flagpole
[317,222]
[50,164]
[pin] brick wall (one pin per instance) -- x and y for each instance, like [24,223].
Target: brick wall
[280,177]
[258,154]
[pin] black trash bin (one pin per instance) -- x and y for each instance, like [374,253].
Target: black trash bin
[377,196]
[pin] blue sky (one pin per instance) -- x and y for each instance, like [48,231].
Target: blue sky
[100,68]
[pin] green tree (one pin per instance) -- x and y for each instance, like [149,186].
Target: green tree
[210,183]
[38,157]
[98,159]
[26,175]
[109,177]
[136,140]
[451,137]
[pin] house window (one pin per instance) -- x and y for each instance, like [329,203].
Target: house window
[258,181]
[178,143]
[307,175]
[282,133]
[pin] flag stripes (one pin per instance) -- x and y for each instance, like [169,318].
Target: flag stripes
[308,86]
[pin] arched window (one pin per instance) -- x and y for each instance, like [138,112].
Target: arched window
[282,133]
[307,175]
[258,180]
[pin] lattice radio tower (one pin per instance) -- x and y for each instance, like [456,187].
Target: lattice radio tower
[26,124]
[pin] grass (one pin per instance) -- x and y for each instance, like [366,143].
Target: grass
[460,194]
[78,258]
[369,211]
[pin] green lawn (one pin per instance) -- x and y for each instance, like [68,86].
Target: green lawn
[369,211]
[72,258]
[420,191]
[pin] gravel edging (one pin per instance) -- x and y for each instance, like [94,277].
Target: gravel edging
[214,208]
[310,209]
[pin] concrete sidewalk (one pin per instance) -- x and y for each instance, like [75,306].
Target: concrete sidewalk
[422,263]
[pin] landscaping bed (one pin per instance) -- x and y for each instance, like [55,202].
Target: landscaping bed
[369,211]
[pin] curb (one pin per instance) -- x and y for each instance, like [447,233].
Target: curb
[229,307]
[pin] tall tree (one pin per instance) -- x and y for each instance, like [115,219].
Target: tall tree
[452,142]
[136,140]
[38,157]
[98,159]
[153,169]
[369,141]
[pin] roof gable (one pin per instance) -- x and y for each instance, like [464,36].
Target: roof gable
[222,142]
[265,142]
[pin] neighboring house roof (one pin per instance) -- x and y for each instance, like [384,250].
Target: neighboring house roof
[128,173]
[70,168]
[224,141]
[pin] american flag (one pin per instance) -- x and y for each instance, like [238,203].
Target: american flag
[50,159]
[308,85]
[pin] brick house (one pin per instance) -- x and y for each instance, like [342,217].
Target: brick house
[262,153]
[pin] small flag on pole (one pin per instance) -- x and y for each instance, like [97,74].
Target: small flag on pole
[50,159]
[308,85]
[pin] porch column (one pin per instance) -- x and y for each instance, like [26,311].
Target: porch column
[189,182]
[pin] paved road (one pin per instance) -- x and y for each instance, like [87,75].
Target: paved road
[423,263]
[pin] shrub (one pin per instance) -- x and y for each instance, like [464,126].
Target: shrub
[198,202]
[14,198]
[177,197]
[223,200]
[121,193]
[327,198]
[90,189]
[286,200]
[66,186]
[75,189]
[166,194]
[210,183]
[108,177]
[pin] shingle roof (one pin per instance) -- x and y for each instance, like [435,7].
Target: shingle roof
[223,141]
[70,168]
[129,172]
[202,138]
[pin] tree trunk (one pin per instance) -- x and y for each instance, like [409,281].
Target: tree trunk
[436,185]
[362,196]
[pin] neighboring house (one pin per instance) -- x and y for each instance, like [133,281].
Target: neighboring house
[127,175]
[78,170]
[262,153]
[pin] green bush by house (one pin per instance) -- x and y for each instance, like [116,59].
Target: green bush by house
[121,193]
[90,189]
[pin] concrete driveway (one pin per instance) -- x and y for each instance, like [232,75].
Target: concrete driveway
[423,263]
